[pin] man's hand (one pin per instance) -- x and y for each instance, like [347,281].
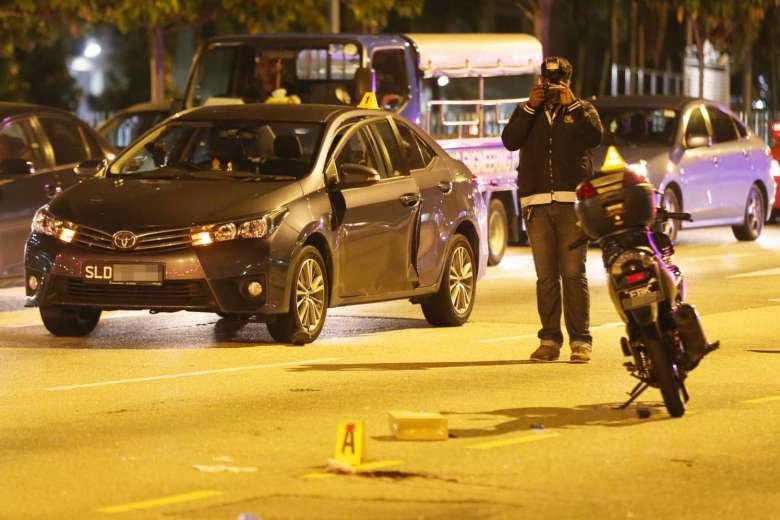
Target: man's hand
[536,98]
[567,96]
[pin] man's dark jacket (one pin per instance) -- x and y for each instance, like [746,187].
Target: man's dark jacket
[554,157]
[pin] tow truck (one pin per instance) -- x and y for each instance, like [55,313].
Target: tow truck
[460,88]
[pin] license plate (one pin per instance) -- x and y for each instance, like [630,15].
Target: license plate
[640,297]
[123,274]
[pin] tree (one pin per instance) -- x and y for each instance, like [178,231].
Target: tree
[539,12]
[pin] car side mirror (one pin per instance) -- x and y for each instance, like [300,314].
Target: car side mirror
[89,168]
[698,141]
[365,81]
[16,166]
[352,174]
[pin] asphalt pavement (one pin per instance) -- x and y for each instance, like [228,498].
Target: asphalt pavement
[182,416]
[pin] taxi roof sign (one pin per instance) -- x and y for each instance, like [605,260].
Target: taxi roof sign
[613,161]
[369,101]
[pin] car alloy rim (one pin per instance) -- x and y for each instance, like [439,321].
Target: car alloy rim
[461,280]
[310,295]
[670,225]
[753,212]
[496,233]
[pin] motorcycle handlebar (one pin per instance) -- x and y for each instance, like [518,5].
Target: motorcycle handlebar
[577,243]
[677,216]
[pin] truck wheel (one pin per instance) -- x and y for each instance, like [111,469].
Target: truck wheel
[309,296]
[753,219]
[498,231]
[451,306]
[69,321]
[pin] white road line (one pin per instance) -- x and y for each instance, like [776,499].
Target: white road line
[531,336]
[189,374]
[764,272]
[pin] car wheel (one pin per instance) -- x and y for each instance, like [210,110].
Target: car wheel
[69,321]
[498,231]
[308,301]
[451,306]
[753,219]
[672,204]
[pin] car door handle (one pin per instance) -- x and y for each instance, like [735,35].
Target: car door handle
[410,200]
[444,187]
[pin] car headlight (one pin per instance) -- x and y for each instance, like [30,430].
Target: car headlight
[45,223]
[261,227]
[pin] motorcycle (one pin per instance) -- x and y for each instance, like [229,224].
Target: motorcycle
[619,210]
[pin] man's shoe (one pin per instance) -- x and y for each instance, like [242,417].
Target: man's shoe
[580,352]
[547,351]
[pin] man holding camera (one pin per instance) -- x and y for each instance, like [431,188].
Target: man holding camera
[555,132]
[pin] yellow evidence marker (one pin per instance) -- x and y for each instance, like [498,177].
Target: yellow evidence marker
[369,101]
[350,443]
[418,426]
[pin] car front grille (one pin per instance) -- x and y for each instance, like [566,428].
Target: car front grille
[148,241]
[190,294]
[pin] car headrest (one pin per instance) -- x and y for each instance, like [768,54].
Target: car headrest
[288,147]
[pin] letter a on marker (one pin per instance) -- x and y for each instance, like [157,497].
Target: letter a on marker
[350,443]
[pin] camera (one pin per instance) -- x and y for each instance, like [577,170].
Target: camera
[554,72]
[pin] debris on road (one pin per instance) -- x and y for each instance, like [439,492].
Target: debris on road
[418,426]
[643,413]
[223,468]
[537,426]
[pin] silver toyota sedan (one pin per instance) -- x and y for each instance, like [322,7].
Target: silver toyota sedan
[698,154]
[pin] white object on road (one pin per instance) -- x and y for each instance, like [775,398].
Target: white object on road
[223,468]
[418,426]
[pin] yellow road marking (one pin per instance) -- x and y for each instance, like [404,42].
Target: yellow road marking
[162,501]
[762,400]
[361,468]
[532,437]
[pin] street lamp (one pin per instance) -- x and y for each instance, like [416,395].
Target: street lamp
[92,50]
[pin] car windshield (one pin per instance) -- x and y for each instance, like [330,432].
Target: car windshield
[639,126]
[223,150]
[274,71]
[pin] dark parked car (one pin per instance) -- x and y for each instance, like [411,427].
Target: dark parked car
[269,211]
[699,154]
[129,124]
[39,147]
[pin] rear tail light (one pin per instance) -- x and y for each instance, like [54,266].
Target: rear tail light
[586,191]
[636,277]
[631,178]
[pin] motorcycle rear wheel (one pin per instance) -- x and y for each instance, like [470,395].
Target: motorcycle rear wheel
[663,373]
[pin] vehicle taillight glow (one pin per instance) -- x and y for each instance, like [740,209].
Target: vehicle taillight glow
[586,191]
[636,277]
[631,178]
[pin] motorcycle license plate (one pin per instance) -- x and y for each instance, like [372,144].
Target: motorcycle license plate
[123,274]
[642,296]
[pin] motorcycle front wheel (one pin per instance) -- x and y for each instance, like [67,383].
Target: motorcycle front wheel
[664,373]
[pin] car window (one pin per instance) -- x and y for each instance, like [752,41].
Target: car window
[16,142]
[66,140]
[414,157]
[741,130]
[639,126]
[722,126]
[359,150]
[388,138]
[696,125]
[128,128]
[392,83]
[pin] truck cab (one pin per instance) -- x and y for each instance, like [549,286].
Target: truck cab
[460,88]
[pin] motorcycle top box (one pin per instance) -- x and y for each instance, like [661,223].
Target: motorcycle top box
[614,201]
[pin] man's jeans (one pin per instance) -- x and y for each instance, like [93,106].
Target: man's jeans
[551,228]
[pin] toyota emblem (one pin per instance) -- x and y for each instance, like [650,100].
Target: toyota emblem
[124,240]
